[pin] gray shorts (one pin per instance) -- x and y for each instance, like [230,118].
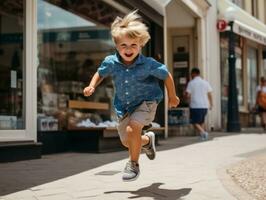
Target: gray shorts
[144,114]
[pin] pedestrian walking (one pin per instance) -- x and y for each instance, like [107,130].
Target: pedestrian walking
[199,94]
[137,91]
[261,101]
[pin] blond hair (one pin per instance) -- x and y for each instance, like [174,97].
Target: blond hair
[130,26]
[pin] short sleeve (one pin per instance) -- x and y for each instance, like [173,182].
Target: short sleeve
[188,89]
[209,88]
[106,68]
[158,70]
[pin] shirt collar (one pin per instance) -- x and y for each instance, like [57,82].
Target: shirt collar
[139,60]
[197,77]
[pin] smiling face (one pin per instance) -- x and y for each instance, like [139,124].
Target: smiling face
[128,49]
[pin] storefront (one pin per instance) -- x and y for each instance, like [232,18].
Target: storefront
[49,50]
[250,42]
[18,81]
[190,41]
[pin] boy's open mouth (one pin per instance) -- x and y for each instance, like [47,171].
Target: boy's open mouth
[128,55]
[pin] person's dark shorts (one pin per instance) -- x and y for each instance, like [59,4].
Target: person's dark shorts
[261,109]
[197,115]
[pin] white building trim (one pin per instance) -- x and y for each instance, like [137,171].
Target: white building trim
[29,79]
[245,24]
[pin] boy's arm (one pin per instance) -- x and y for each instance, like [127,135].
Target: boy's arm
[173,100]
[95,81]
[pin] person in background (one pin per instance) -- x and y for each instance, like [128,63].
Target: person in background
[261,101]
[199,94]
[137,91]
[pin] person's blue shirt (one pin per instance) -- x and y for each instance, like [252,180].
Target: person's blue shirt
[134,83]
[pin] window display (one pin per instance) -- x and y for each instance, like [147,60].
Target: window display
[12,107]
[252,75]
[180,115]
[73,39]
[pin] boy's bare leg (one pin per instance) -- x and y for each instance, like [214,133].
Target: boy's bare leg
[144,140]
[134,130]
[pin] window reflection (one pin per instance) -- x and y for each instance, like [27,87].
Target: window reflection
[225,75]
[73,39]
[252,75]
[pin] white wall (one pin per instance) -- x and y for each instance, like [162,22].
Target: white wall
[178,16]
[213,73]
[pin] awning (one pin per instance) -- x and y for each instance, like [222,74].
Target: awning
[244,24]
[249,32]
[159,5]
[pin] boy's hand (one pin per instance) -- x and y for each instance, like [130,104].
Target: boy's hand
[88,91]
[173,102]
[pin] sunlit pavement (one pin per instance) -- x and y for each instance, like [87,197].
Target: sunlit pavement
[188,172]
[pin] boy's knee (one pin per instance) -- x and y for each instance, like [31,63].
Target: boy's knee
[134,126]
[131,130]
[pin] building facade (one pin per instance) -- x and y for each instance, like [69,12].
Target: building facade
[249,27]
[49,50]
[191,40]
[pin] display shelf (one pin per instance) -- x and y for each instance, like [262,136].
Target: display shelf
[109,129]
[87,105]
[73,128]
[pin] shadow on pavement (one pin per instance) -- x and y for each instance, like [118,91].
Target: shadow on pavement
[21,175]
[156,193]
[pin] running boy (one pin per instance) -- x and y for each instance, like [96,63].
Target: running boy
[137,91]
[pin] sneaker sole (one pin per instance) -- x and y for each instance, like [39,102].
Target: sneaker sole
[132,179]
[153,146]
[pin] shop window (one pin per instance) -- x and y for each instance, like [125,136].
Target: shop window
[254,8]
[264,12]
[252,75]
[73,39]
[225,75]
[264,62]
[180,116]
[12,73]
[239,3]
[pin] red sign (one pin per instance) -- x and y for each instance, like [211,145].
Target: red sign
[221,25]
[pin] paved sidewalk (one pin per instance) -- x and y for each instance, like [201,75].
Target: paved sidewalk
[187,173]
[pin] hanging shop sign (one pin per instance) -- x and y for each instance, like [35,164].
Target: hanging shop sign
[221,25]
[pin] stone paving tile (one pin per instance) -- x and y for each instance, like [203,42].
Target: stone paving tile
[22,194]
[187,173]
[49,192]
[55,197]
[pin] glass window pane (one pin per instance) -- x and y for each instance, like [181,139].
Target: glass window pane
[252,75]
[239,77]
[225,75]
[73,39]
[12,109]
[264,63]
[240,3]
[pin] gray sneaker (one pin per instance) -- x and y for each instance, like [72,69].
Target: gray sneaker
[204,136]
[149,149]
[131,171]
